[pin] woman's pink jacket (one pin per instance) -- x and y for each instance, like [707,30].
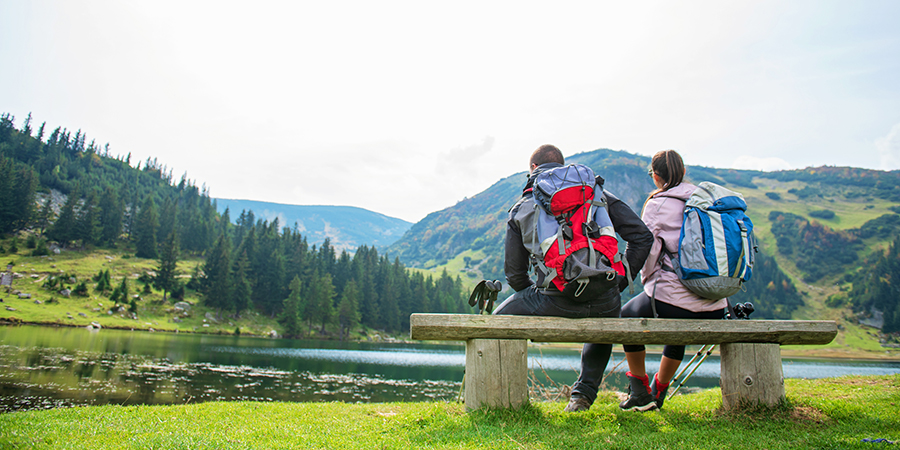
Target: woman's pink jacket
[663,214]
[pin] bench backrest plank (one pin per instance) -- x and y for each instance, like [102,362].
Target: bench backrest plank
[456,327]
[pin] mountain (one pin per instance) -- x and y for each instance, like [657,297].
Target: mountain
[476,226]
[815,227]
[346,227]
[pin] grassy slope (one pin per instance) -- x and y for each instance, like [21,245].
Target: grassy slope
[853,339]
[827,413]
[152,312]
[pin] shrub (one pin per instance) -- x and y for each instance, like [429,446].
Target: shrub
[81,290]
[31,241]
[836,300]
[806,192]
[822,214]
[883,227]
[773,195]
[177,292]
[41,249]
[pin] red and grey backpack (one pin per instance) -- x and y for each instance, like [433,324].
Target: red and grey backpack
[579,252]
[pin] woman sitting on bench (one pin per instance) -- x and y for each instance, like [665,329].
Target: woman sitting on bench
[663,213]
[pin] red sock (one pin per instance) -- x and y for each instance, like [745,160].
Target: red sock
[659,386]
[645,379]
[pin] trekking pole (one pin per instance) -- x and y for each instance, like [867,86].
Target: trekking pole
[738,311]
[708,352]
[688,365]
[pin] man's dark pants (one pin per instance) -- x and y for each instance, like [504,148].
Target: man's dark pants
[594,357]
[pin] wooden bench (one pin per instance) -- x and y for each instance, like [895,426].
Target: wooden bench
[497,355]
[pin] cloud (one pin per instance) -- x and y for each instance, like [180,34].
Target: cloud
[889,149]
[745,162]
[463,162]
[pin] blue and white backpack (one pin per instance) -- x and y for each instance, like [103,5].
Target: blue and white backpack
[716,249]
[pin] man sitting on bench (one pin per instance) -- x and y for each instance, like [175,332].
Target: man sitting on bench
[522,249]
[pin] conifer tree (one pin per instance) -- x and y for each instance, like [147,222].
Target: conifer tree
[167,268]
[146,226]
[294,306]
[63,229]
[217,273]
[241,291]
[87,225]
[166,220]
[348,309]
[103,281]
[121,291]
[45,215]
[390,313]
[323,298]
[21,198]
[111,214]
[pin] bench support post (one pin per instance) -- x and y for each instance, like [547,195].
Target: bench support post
[751,374]
[496,373]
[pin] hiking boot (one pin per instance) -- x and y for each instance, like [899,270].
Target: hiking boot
[639,398]
[659,395]
[577,403]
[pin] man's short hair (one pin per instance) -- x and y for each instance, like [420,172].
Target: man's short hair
[547,154]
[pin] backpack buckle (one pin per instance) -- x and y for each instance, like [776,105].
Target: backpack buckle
[591,229]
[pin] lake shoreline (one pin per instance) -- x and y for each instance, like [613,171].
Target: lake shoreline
[804,353]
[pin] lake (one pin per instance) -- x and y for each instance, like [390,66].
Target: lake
[47,367]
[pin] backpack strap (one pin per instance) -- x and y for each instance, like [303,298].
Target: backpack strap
[745,251]
[545,274]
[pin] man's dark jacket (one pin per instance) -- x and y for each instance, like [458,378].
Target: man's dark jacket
[627,224]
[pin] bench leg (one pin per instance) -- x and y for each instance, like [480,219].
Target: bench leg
[751,375]
[496,373]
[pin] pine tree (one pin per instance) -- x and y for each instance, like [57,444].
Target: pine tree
[294,306]
[323,297]
[216,284]
[87,225]
[120,292]
[145,232]
[241,291]
[167,268]
[7,202]
[63,229]
[45,215]
[24,185]
[348,309]
[112,211]
[103,282]
[166,220]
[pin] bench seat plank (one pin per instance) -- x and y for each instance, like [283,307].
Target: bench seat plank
[456,327]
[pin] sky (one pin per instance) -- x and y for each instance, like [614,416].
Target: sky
[408,107]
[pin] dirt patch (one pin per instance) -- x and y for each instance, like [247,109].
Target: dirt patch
[807,414]
[389,413]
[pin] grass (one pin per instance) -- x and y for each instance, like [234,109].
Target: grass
[822,414]
[56,309]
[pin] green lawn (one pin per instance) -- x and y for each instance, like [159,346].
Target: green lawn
[822,414]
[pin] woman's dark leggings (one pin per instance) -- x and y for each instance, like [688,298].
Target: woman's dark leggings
[640,306]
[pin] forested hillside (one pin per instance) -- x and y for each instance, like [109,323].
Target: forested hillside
[815,226]
[346,227]
[60,192]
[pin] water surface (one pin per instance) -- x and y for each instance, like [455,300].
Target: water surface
[45,367]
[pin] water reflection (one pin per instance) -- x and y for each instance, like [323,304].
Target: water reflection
[54,367]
